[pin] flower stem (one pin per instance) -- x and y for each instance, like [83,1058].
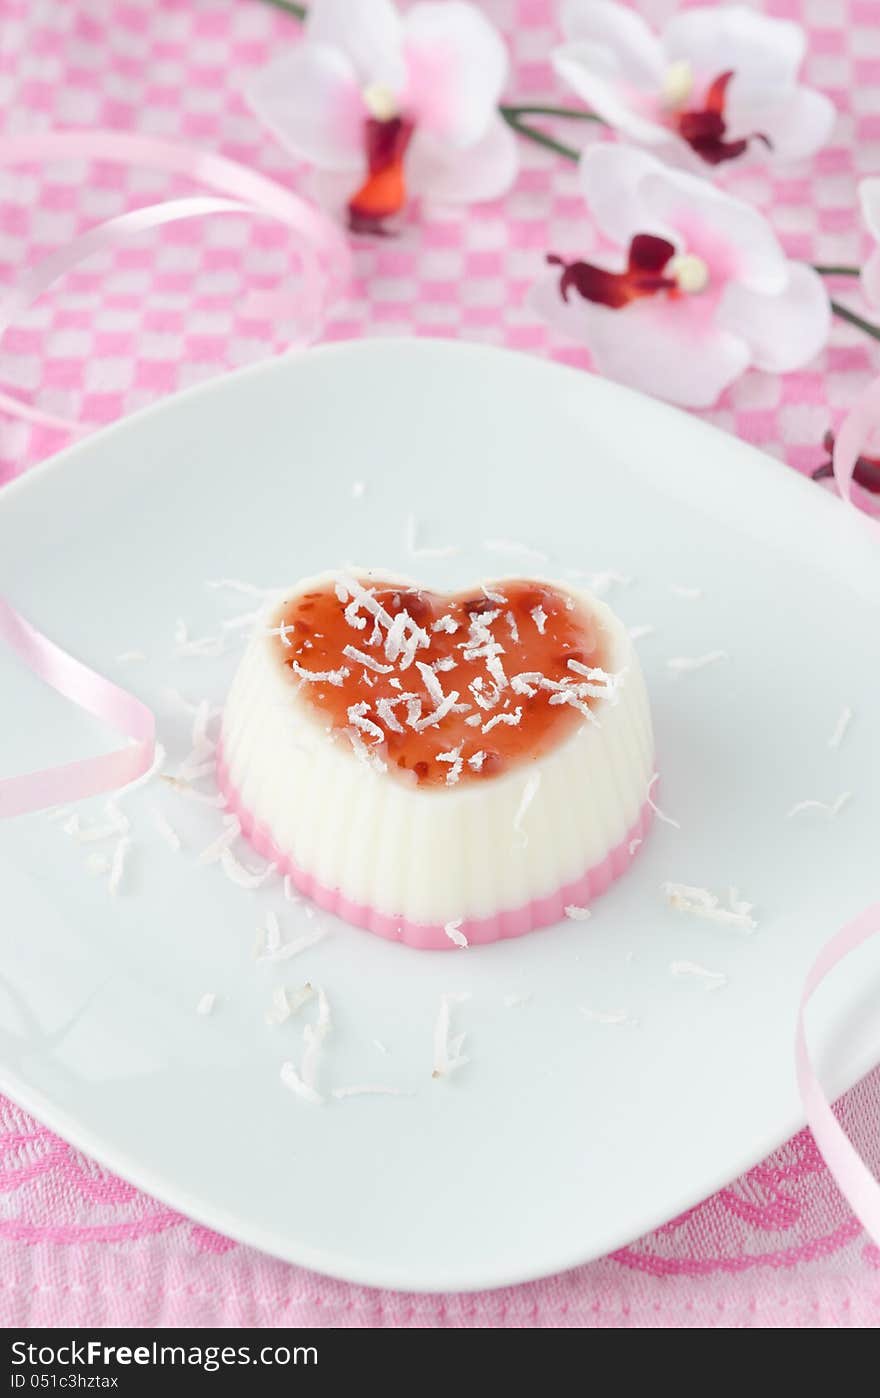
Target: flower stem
[567,113]
[531,133]
[844,313]
[289,8]
[825,270]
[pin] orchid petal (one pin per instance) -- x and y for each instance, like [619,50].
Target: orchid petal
[869,199]
[457,67]
[629,192]
[734,239]
[592,72]
[612,179]
[311,99]
[368,32]
[783,332]
[486,170]
[670,349]
[765,53]
[637,52]
[797,122]
[871,279]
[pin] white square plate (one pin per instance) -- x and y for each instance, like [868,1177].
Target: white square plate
[566,1135]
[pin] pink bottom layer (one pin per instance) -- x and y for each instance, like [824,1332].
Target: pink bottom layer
[513,922]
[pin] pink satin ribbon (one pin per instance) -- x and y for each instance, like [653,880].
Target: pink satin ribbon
[321,244]
[855,1180]
[35,791]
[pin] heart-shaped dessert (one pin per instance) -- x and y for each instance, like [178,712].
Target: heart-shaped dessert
[442,769]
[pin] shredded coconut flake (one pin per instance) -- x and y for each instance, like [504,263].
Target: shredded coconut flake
[446,623]
[117,867]
[245,621]
[117,824]
[166,830]
[358,490]
[633,845]
[213,852]
[447,1052]
[683,664]
[206,1003]
[360,657]
[206,646]
[238,874]
[285,950]
[607,1016]
[577,914]
[442,709]
[357,717]
[292,1080]
[455,934]
[700,902]
[128,656]
[510,719]
[145,778]
[496,597]
[286,1003]
[680,590]
[334,677]
[712,980]
[661,815]
[539,617]
[840,727]
[830,809]
[453,757]
[247,589]
[313,1042]
[638,633]
[184,789]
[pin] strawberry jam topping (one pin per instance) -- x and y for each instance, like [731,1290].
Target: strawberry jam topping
[443,689]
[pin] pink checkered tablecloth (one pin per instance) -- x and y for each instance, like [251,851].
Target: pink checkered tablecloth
[778,1246]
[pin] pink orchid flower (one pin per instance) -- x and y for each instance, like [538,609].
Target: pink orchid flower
[698,291]
[393,106]
[717,83]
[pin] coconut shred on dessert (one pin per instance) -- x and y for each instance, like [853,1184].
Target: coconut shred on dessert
[442,769]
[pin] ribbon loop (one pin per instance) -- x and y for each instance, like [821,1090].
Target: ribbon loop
[35,791]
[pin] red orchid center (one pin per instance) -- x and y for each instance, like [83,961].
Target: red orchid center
[387,134]
[653,265]
[705,128]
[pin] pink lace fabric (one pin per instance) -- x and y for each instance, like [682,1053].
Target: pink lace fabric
[778,1247]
